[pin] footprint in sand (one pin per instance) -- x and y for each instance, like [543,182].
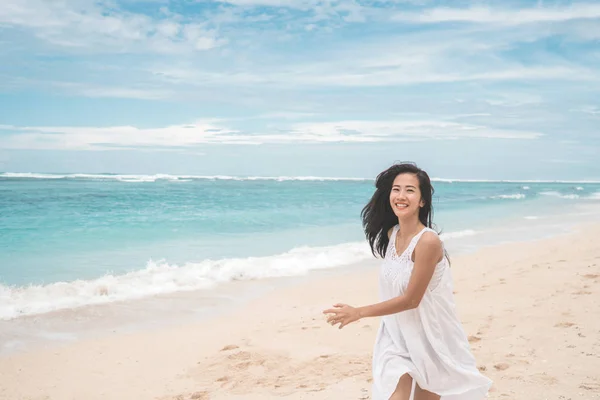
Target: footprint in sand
[501,366]
[238,371]
[544,378]
[591,386]
[199,396]
[191,396]
[516,360]
[581,292]
[474,339]
[240,355]
[591,276]
[564,325]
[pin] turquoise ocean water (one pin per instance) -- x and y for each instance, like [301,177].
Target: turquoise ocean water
[73,240]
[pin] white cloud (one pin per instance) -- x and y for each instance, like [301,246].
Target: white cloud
[503,16]
[366,76]
[399,59]
[124,91]
[212,131]
[413,58]
[514,99]
[69,137]
[355,74]
[405,130]
[101,27]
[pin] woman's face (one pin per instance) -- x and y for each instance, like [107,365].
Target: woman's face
[405,197]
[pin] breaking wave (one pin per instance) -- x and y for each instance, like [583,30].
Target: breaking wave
[516,196]
[161,277]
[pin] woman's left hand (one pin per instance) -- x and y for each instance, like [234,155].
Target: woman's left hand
[342,314]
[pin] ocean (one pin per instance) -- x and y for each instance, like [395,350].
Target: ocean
[71,240]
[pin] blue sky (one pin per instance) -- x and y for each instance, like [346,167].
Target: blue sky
[482,89]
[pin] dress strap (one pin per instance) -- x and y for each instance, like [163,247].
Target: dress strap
[413,243]
[391,248]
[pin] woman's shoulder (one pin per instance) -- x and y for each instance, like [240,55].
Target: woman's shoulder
[430,243]
[430,238]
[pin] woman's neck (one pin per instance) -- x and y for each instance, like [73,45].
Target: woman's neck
[409,228]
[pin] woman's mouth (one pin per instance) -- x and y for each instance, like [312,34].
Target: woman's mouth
[401,206]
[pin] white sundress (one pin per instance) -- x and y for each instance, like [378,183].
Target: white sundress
[427,342]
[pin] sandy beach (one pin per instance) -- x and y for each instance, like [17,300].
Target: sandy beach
[528,309]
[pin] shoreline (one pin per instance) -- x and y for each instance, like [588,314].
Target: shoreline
[176,272]
[278,343]
[458,242]
[162,311]
[94,321]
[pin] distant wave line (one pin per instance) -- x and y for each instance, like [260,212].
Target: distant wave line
[186,178]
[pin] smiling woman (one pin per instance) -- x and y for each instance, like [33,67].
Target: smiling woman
[141,139]
[421,348]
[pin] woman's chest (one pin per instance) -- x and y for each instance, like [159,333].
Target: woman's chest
[395,272]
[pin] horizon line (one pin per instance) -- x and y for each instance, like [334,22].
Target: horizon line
[176,177]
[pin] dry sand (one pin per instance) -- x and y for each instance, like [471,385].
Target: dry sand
[531,310]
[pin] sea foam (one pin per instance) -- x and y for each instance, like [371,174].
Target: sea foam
[558,194]
[162,277]
[516,196]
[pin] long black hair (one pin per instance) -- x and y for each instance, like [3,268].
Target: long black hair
[378,216]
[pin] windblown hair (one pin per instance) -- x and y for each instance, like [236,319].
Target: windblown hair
[378,216]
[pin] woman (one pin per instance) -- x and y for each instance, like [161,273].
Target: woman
[421,348]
